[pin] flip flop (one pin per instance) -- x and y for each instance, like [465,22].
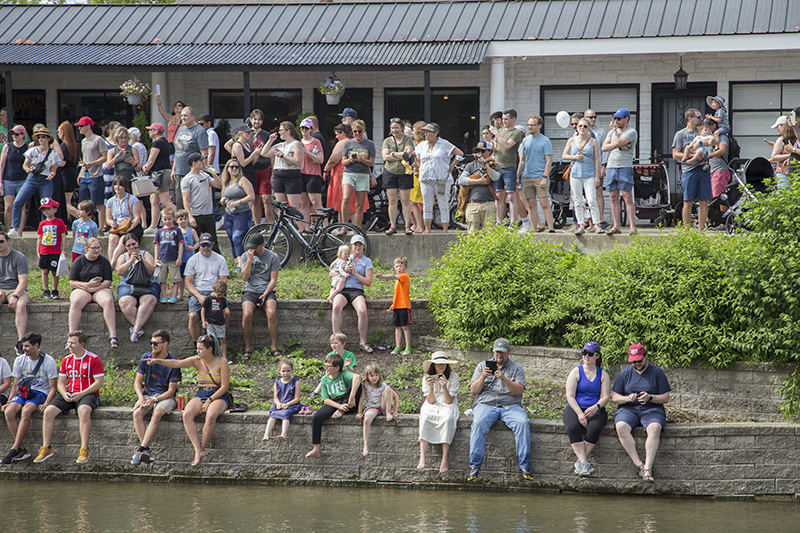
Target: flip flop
[246,355]
[366,348]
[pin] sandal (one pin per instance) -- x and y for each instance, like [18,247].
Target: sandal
[409,231]
[366,348]
[246,355]
[646,474]
[113,342]
[276,353]
[390,231]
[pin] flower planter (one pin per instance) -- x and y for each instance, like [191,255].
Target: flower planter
[333,99]
[135,99]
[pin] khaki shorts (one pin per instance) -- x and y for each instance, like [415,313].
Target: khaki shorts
[167,405]
[532,188]
[9,292]
[169,267]
[479,215]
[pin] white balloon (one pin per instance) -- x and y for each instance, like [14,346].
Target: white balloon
[562,118]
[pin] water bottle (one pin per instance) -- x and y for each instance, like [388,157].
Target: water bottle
[86,177]
[315,151]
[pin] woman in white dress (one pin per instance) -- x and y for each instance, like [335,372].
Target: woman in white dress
[439,413]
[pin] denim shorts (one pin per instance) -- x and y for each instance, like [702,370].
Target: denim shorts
[11,188]
[507,180]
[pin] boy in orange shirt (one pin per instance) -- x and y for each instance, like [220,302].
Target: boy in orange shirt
[401,304]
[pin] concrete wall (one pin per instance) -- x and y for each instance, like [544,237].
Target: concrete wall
[722,460]
[742,392]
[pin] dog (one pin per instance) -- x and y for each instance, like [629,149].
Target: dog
[463,192]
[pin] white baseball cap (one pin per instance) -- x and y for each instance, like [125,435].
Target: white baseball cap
[779,122]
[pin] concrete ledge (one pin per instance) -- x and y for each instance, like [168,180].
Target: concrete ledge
[720,460]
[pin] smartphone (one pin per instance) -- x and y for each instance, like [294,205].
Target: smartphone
[158,89]
[351,258]
[491,365]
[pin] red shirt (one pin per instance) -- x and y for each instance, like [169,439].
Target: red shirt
[52,233]
[81,372]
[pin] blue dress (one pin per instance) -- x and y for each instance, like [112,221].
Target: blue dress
[286,392]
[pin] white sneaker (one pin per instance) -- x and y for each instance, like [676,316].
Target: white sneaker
[523,230]
[14,233]
[586,469]
[578,469]
[149,231]
[220,223]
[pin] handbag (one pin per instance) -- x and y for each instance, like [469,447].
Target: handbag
[228,393]
[565,174]
[25,385]
[122,227]
[157,177]
[143,186]
[138,279]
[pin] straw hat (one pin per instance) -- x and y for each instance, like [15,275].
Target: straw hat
[40,132]
[438,358]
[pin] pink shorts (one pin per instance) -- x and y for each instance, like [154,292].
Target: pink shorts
[719,180]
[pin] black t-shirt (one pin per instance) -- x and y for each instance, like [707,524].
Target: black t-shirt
[257,142]
[326,150]
[85,270]
[215,310]
[162,159]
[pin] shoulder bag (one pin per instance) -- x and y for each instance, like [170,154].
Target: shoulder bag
[122,227]
[25,385]
[138,279]
[565,174]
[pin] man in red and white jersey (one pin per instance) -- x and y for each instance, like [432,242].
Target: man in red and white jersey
[79,380]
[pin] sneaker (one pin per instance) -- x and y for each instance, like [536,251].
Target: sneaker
[83,456]
[397,350]
[55,296]
[22,454]
[220,223]
[45,453]
[604,225]
[47,295]
[473,473]
[163,300]
[172,300]
[523,230]
[18,348]
[578,468]
[136,460]
[14,233]
[9,456]
[147,457]
[407,351]
[149,231]
[526,474]
[586,469]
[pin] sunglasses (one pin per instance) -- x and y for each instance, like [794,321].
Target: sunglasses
[3,242]
[590,116]
[203,338]
[206,245]
[234,166]
[358,131]
[585,352]
[583,127]
[156,343]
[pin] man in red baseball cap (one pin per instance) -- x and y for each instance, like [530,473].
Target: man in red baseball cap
[91,184]
[640,390]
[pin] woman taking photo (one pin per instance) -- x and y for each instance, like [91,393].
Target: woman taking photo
[137,308]
[69,172]
[588,392]
[237,195]
[358,157]
[12,172]
[40,165]
[396,147]
[213,380]
[584,176]
[173,119]
[781,153]
[90,279]
[436,158]
[438,415]
[287,161]
[124,214]
[311,172]
[158,167]
[247,157]
[122,158]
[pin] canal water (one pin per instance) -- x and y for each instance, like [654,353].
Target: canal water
[158,507]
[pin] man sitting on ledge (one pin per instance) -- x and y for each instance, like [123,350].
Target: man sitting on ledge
[498,395]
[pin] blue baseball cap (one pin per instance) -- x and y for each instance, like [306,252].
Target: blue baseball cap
[349,112]
[591,347]
[622,113]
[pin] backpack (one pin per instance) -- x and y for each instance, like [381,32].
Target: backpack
[734,150]
[25,385]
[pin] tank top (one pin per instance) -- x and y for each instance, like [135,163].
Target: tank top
[122,167]
[188,240]
[14,159]
[585,168]
[248,171]
[233,192]
[588,392]
[204,380]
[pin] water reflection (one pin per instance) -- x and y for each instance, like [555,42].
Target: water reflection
[156,508]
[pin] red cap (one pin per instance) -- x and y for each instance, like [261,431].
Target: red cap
[48,202]
[636,353]
[156,126]
[85,121]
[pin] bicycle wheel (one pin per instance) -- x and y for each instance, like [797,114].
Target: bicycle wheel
[281,242]
[334,236]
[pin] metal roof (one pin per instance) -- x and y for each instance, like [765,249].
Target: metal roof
[303,34]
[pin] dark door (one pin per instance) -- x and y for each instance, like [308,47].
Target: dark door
[669,105]
[328,115]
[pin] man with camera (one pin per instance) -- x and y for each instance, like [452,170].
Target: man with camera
[498,385]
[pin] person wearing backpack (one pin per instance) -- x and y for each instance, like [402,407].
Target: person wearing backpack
[35,374]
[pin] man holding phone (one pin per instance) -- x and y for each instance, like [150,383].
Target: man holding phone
[498,385]
[260,269]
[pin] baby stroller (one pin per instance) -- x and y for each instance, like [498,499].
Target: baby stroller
[650,194]
[560,195]
[752,173]
[377,216]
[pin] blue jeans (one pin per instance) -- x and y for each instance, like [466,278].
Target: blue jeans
[484,417]
[33,184]
[236,225]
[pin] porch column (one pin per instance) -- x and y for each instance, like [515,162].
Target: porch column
[160,79]
[427,96]
[246,85]
[497,91]
[9,100]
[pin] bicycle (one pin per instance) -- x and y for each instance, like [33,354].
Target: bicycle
[323,242]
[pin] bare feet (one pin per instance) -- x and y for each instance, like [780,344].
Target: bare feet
[330,301]
[389,417]
[313,454]
[338,414]
[266,438]
[282,437]
[366,451]
[444,467]
[198,458]
[421,464]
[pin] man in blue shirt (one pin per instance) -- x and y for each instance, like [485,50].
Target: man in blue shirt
[155,388]
[535,160]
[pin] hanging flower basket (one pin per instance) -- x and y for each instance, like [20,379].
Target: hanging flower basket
[134,91]
[333,89]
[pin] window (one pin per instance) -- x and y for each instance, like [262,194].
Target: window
[29,108]
[754,108]
[277,105]
[604,100]
[455,110]
[100,105]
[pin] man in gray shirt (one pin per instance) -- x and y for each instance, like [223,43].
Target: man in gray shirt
[620,143]
[190,138]
[695,178]
[202,270]
[93,150]
[481,210]
[14,285]
[260,269]
[498,396]
[198,199]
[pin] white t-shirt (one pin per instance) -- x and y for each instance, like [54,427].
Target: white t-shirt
[213,140]
[206,270]
[5,371]
[24,366]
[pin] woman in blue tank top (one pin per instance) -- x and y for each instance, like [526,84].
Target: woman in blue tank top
[588,391]
[584,176]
